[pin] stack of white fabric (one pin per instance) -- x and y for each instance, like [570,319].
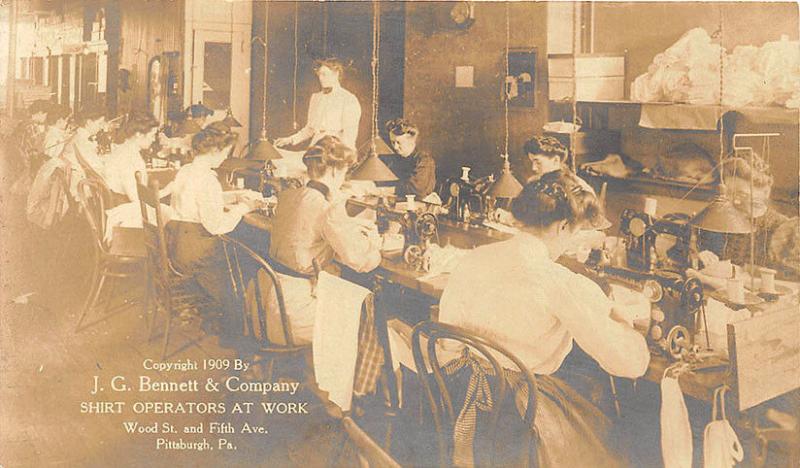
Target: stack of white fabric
[689,71]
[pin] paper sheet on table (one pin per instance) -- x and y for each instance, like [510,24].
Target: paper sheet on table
[443,260]
[335,342]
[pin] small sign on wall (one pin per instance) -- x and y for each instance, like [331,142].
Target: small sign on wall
[464,76]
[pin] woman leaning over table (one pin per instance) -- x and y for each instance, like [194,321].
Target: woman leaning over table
[311,224]
[200,215]
[514,293]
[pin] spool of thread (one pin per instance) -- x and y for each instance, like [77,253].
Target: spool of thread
[240,182]
[650,206]
[411,204]
[465,173]
[767,280]
[736,290]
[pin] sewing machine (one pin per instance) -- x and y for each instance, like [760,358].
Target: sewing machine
[418,228]
[466,198]
[649,243]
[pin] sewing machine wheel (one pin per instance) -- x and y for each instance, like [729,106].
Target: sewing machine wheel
[454,189]
[653,291]
[678,339]
[637,227]
[413,255]
[426,225]
[692,294]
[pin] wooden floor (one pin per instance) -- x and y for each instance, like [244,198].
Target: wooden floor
[47,370]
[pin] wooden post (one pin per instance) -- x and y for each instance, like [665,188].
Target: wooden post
[12,59]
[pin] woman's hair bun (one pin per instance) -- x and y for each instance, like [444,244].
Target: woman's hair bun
[556,196]
[214,137]
[329,151]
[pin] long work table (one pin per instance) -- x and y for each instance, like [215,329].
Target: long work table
[765,355]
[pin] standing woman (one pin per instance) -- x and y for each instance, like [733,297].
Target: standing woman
[312,225]
[200,215]
[332,111]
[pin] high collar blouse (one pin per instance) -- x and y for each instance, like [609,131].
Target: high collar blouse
[197,198]
[513,293]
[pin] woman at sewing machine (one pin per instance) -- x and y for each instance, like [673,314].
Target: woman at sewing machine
[537,308]
[332,111]
[125,159]
[415,169]
[55,137]
[200,215]
[81,151]
[771,250]
[311,224]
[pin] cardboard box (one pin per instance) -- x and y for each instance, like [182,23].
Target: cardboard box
[590,77]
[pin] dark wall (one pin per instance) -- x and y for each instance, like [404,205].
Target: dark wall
[343,30]
[145,29]
[465,126]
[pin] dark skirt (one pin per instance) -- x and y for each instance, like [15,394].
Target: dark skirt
[197,253]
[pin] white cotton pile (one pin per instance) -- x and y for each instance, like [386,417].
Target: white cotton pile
[689,72]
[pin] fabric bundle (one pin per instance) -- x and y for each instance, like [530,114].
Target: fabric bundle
[689,72]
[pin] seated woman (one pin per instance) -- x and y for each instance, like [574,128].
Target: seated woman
[125,158]
[80,152]
[56,134]
[515,293]
[199,215]
[736,178]
[310,225]
[416,170]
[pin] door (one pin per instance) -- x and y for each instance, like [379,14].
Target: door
[219,77]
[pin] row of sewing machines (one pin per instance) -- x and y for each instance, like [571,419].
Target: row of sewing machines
[652,256]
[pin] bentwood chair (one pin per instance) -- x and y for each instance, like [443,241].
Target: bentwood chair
[253,290]
[478,355]
[122,257]
[171,291]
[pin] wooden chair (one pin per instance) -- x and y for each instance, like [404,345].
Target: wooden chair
[123,257]
[254,311]
[441,401]
[170,289]
[370,454]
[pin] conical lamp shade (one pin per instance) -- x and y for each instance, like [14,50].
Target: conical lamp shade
[373,169]
[721,216]
[376,146]
[230,120]
[263,150]
[506,186]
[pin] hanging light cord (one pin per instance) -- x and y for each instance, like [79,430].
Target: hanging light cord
[505,83]
[294,71]
[376,44]
[574,85]
[266,64]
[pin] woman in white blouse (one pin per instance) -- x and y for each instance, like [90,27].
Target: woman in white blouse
[125,158]
[332,111]
[310,225]
[199,215]
[514,293]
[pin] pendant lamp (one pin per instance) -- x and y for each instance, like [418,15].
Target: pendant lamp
[373,168]
[506,186]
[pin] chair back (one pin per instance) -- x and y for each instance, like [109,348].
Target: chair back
[253,297]
[155,238]
[368,449]
[441,400]
[90,198]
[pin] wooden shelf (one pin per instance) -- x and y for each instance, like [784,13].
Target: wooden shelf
[654,186]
